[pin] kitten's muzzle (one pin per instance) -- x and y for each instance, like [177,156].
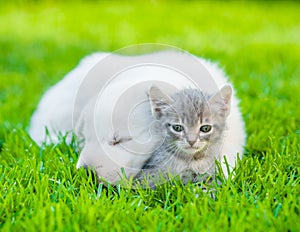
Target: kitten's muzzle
[191,142]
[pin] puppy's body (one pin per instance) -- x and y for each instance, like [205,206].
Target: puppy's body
[107,149]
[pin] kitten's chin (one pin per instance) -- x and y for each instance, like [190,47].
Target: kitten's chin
[193,150]
[190,150]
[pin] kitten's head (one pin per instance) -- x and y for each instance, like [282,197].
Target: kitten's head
[191,120]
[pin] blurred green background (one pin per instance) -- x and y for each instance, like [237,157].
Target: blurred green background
[256,42]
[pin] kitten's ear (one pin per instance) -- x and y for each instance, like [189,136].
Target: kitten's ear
[158,101]
[222,99]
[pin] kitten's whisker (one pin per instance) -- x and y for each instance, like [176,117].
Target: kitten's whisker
[170,147]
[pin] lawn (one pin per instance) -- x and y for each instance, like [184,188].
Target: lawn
[257,43]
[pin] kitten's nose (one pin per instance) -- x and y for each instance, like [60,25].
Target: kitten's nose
[191,142]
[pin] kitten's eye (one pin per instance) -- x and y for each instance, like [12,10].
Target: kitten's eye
[205,128]
[177,128]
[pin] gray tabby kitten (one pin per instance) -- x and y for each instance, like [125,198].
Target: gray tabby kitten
[193,124]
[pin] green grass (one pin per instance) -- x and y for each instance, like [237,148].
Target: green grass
[257,43]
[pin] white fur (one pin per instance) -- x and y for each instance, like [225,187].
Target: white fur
[56,108]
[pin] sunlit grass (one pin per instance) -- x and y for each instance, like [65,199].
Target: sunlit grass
[257,44]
